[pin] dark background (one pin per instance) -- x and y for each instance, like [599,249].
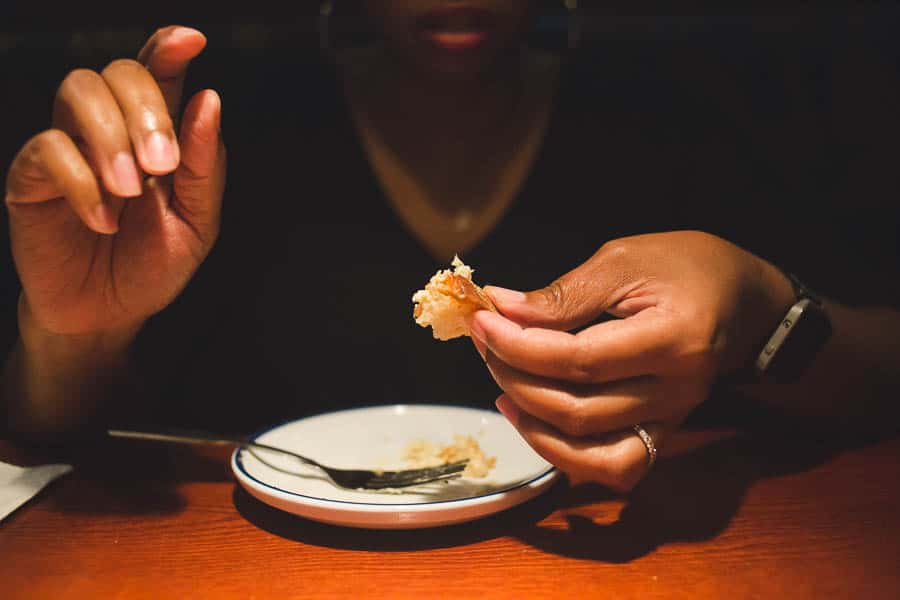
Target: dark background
[771,68]
[794,59]
[794,79]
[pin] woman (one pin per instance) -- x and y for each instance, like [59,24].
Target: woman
[449,134]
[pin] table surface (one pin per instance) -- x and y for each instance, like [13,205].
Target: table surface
[723,514]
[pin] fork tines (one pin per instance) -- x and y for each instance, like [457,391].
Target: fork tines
[406,478]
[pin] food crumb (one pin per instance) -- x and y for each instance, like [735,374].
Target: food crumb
[423,453]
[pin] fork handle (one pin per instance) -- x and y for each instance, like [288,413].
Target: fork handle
[186,437]
[203,438]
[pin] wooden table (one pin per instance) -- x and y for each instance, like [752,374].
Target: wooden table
[723,515]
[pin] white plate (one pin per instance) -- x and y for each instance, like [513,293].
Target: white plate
[376,438]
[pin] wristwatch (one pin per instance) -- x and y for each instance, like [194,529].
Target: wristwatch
[797,339]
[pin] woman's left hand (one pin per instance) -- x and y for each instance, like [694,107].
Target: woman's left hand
[691,306]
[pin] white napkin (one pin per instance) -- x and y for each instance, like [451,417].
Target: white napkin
[19,484]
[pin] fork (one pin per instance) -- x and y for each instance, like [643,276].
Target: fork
[347,478]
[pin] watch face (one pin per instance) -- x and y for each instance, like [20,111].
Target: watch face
[799,338]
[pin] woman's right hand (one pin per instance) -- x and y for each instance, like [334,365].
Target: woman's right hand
[98,246]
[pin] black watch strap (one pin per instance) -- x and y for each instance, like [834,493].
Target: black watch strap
[793,345]
[797,338]
[801,290]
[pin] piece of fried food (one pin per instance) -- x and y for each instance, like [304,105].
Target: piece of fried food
[448,298]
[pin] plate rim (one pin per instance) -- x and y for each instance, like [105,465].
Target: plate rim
[239,469]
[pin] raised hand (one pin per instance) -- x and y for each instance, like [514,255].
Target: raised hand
[110,212]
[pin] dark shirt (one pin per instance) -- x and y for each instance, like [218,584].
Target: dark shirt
[305,305]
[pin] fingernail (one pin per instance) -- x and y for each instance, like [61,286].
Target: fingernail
[180,33]
[480,347]
[476,330]
[104,220]
[126,174]
[161,153]
[505,296]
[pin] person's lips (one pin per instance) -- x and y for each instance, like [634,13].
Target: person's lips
[457,27]
[458,40]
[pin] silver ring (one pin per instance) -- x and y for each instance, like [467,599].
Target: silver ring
[648,443]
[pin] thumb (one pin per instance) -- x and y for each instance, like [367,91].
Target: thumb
[166,55]
[200,178]
[569,302]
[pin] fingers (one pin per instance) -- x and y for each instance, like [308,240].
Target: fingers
[643,344]
[618,460]
[86,110]
[50,166]
[200,135]
[579,296]
[116,124]
[200,179]
[580,410]
[146,118]
[166,55]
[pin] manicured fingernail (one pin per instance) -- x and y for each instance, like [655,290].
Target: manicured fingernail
[505,296]
[161,153]
[126,174]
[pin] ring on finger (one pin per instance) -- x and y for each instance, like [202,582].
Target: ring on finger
[648,443]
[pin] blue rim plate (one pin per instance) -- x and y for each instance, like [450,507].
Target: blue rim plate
[376,437]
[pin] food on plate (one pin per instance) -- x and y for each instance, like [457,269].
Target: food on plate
[448,298]
[423,453]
